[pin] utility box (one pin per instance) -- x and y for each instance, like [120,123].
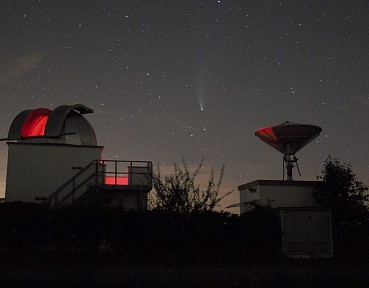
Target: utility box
[306,232]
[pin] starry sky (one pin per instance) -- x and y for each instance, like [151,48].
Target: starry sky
[194,79]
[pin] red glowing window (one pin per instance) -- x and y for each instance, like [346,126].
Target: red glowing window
[35,123]
[119,180]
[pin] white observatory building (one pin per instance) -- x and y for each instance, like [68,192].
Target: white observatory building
[53,158]
[306,226]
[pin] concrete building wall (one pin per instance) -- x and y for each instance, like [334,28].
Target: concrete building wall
[287,196]
[37,170]
[249,195]
[278,193]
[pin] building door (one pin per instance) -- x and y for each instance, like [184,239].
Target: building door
[307,233]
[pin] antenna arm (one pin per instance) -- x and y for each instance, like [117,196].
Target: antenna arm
[297,165]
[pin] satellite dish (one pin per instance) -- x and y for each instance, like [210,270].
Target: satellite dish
[288,138]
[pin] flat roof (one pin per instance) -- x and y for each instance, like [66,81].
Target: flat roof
[53,144]
[277,183]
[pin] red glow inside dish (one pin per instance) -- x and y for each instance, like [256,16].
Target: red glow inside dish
[267,132]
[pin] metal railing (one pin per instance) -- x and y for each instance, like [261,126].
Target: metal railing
[103,173]
[126,173]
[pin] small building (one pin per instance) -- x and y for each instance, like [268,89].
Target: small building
[53,158]
[306,226]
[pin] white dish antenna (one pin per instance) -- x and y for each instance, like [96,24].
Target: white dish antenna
[288,138]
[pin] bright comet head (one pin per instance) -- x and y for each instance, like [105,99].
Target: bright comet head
[201,106]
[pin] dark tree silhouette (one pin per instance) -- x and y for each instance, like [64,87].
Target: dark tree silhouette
[179,193]
[342,192]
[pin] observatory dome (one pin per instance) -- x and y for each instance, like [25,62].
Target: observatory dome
[63,125]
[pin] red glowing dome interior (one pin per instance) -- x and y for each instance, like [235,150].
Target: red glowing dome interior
[35,123]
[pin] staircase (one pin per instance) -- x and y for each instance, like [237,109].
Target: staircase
[101,176]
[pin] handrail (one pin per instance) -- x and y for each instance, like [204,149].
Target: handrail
[66,197]
[54,195]
[99,173]
[116,173]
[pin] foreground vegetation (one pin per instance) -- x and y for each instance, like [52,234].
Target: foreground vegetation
[81,247]
[182,230]
[347,197]
[179,191]
[149,238]
[152,239]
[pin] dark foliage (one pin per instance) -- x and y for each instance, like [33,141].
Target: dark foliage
[152,238]
[179,193]
[340,190]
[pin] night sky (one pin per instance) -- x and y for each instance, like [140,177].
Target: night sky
[193,79]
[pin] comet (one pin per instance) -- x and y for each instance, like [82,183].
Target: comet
[201,106]
[201,103]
